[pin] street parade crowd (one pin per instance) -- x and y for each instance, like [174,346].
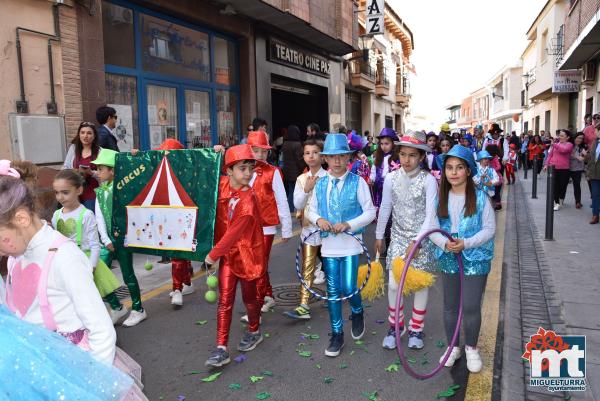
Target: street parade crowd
[58,286]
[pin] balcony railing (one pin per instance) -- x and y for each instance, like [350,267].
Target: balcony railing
[362,75]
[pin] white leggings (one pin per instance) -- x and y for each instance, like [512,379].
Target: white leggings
[417,321]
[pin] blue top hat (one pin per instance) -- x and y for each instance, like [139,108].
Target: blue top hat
[387,132]
[483,154]
[336,144]
[462,153]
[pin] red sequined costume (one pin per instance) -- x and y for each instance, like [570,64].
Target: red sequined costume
[239,245]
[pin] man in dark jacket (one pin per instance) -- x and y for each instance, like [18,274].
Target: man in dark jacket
[107,118]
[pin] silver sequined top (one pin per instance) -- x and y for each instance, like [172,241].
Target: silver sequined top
[409,213]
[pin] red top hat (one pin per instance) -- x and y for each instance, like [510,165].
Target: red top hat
[170,144]
[238,153]
[259,139]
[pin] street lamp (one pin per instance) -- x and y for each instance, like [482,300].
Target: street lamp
[365,42]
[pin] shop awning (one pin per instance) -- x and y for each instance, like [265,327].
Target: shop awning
[265,13]
[584,48]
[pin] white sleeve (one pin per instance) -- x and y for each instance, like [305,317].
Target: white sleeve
[431,191]
[366,203]
[312,211]
[283,209]
[488,228]
[300,197]
[90,233]
[75,276]
[373,173]
[70,158]
[477,177]
[506,147]
[101,226]
[385,209]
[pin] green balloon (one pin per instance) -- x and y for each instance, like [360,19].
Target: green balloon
[212,281]
[211,296]
[148,266]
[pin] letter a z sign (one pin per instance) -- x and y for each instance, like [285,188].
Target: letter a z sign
[375,24]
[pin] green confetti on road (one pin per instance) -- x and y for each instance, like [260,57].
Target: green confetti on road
[392,368]
[411,360]
[343,365]
[267,373]
[371,396]
[352,352]
[567,397]
[255,379]
[310,336]
[440,344]
[328,380]
[212,377]
[194,372]
[318,366]
[162,397]
[266,335]
[359,342]
[424,362]
[305,354]
[450,392]
[235,386]
[263,396]
[373,332]
[201,322]
[454,387]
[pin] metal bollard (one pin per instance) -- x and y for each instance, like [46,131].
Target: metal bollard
[534,178]
[550,205]
[525,165]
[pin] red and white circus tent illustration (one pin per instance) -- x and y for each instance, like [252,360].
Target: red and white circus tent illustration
[162,216]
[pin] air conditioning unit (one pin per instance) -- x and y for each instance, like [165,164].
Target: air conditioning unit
[38,138]
[589,73]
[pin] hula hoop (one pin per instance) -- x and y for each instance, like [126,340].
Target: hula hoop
[400,350]
[316,294]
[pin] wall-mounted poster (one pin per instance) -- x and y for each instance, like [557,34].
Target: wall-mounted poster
[124,128]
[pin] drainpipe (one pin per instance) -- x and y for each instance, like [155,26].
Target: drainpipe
[22,104]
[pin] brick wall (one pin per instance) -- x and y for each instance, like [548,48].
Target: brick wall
[71,77]
[579,16]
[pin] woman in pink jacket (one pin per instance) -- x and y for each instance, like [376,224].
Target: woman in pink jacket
[559,156]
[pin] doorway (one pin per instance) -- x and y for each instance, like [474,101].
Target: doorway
[297,103]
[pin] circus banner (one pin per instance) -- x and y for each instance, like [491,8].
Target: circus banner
[165,202]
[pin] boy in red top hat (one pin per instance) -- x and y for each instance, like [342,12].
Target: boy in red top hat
[267,184]
[239,245]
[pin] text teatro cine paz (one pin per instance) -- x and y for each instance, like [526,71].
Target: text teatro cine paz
[293,56]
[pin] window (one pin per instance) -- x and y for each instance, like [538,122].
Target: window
[121,93]
[227,118]
[172,49]
[225,64]
[544,46]
[117,29]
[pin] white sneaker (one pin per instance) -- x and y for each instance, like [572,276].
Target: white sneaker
[177,298]
[389,341]
[268,305]
[116,315]
[188,289]
[474,363]
[135,318]
[319,277]
[556,207]
[454,355]
[244,319]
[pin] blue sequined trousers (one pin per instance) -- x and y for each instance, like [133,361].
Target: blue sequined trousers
[37,364]
[341,275]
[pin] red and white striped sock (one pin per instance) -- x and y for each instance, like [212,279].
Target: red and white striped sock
[392,316]
[417,320]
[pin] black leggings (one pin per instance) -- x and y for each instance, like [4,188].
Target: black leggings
[576,177]
[474,287]
[561,182]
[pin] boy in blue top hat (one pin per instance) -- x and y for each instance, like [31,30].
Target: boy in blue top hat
[341,202]
[486,178]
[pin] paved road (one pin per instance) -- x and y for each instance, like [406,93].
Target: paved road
[172,348]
